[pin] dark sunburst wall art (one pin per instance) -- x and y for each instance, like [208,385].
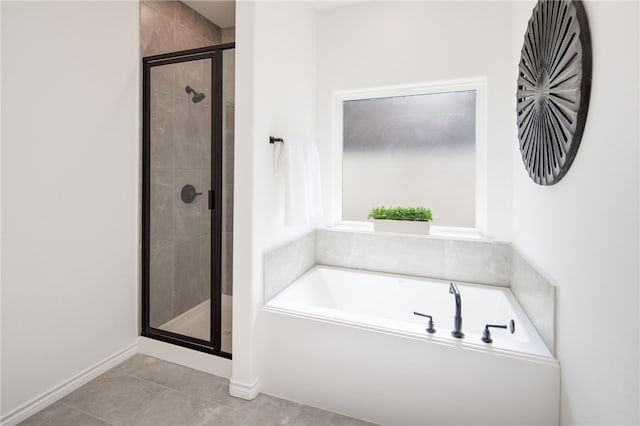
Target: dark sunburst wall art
[554,82]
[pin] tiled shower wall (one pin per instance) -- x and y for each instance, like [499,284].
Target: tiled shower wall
[180,155]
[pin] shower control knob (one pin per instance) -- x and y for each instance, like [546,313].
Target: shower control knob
[188,194]
[430,324]
[486,334]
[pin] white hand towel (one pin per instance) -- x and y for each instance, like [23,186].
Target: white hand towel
[314,184]
[277,158]
[295,173]
[300,165]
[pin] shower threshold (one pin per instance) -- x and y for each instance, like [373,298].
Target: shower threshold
[196,322]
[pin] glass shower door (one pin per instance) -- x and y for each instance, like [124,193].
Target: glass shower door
[183,188]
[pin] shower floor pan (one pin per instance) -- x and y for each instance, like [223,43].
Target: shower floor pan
[196,322]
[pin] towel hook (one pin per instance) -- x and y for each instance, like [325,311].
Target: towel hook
[273,140]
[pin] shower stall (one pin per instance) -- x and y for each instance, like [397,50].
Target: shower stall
[188,114]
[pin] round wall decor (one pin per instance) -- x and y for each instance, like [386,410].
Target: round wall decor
[554,81]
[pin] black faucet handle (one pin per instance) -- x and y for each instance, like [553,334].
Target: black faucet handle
[486,334]
[430,324]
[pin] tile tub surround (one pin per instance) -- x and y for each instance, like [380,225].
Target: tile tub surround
[288,262]
[537,296]
[148,391]
[180,154]
[483,262]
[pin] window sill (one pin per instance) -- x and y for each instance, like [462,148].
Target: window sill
[443,232]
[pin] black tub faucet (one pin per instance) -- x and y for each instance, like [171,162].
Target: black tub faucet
[486,334]
[457,319]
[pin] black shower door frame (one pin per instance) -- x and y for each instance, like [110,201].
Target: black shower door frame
[213,346]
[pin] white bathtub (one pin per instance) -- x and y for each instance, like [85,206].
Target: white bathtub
[386,302]
[348,341]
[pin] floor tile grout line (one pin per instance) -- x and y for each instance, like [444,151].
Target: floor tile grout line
[41,422]
[222,404]
[164,390]
[248,411]
[185,393]
[240,411]
[144,406]
[85,412]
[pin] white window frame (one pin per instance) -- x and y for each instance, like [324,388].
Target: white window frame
[477,83]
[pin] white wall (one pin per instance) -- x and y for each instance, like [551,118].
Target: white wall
[70,142]
[275,96]
[0,214]
[388,43]
[583,232]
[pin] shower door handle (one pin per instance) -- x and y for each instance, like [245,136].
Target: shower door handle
[211,203]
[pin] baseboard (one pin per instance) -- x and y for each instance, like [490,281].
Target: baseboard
[243,390]
[201,361]
[49,397]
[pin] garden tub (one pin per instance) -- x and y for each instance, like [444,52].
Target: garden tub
[348,341]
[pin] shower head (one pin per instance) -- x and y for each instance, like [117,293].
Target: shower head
[197,97]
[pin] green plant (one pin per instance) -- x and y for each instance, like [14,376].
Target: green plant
[401,213]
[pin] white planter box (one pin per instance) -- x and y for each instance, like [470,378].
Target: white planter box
[402,226]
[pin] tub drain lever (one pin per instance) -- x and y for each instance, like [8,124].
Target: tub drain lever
[430,328]
[486,334]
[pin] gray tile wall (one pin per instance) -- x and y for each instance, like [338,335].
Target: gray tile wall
[228,35]
[537,296]
[168,26]
[482,262]
[286,263]
[180,155]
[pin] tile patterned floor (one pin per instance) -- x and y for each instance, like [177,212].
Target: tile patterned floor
[145,391]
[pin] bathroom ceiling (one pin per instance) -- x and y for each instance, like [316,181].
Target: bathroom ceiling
[220,12]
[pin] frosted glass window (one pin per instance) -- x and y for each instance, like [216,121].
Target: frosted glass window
[417,150]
